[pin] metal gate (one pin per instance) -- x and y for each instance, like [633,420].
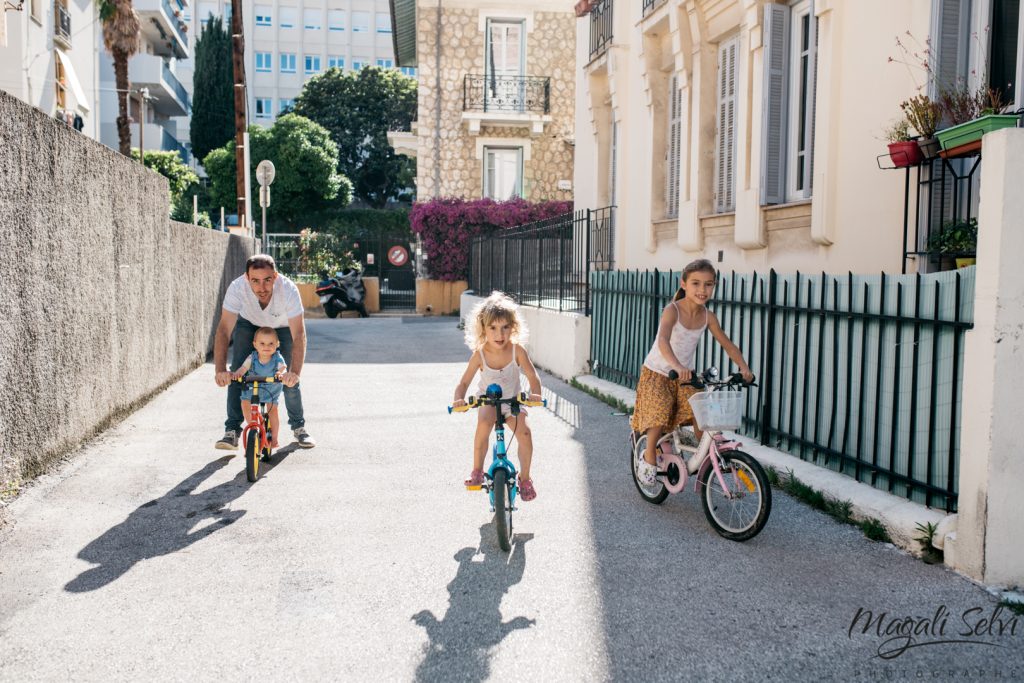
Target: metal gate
[390,257]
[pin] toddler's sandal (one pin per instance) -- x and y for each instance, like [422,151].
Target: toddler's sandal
[526,489]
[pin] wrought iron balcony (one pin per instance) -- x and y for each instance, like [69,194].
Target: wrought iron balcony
[600,27]
[650,6]
[62,24]
[506,94]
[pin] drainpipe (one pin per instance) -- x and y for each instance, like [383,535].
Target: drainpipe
[437,104]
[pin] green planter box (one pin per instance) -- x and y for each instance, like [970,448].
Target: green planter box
[973,130]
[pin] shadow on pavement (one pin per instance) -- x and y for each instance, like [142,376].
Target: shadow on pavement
[461,641]
[167,524]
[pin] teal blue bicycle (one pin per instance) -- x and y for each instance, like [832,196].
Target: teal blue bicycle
[500,477]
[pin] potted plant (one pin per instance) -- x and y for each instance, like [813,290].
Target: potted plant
[956,241]
[924,115]
[972,114]
[902,149]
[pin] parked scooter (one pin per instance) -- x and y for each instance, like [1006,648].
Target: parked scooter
[343,292]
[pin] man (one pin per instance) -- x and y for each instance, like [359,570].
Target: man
[261,298]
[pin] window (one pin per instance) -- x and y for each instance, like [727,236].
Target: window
[288,16]
[335,61]
[287,62]
[311,19]
[286,106]
[725,136]
[60,81]
[263,14]
[312,64]
[503,172]
[263,62]
[675,125]
[263,107]
[504,63]
[789,94]
[613,163]
[227,16]
[358,63]
[36,10]
[385,63]
[335,20]
[383,23]
[409,71]
[360,22]
[1003,50]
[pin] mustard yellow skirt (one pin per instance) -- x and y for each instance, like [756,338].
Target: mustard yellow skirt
[660,402]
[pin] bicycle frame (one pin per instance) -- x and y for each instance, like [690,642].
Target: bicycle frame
[258,418]
[499,458]
[704,455]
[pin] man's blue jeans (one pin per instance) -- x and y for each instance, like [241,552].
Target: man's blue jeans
[241,347]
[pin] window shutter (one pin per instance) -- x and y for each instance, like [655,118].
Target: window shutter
[950,40]
[674,148]
[775,105]
[725,199]
[812,93]
[613,161]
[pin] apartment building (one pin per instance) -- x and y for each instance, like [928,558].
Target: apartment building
[290,41]
[159,96]
[751,132]
[495,97]
[49,59]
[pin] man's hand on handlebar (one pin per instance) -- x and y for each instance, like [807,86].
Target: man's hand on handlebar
[289,379]
[223,378]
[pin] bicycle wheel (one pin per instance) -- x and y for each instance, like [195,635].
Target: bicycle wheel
[502,508]
[252,455]
[740,512]
[656,493]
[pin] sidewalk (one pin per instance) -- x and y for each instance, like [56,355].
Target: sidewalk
[899,516]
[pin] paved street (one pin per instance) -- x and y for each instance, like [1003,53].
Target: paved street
[149,556]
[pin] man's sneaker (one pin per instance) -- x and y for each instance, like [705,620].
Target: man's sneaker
[228,442]
[303,438]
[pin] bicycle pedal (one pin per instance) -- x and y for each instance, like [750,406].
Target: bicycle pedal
[473,488]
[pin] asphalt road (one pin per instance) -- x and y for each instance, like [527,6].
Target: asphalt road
[149,557]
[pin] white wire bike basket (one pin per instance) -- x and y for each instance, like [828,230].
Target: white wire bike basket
[717,410]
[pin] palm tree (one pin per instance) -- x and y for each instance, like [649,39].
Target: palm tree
[121,38]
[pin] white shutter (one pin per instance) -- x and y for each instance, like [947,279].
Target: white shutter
[725,156]
[775,104]
[674,148]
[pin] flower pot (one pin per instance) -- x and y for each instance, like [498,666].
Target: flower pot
[929,147]
[973,130]
[905,153]
[964,262]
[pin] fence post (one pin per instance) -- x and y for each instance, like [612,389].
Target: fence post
[767,368]
[561,269]
[586,256]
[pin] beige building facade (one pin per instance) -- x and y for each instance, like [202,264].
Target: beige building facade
[747,131]
[495,97]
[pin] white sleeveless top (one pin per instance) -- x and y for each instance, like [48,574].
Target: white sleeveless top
[683,342]
[507,377]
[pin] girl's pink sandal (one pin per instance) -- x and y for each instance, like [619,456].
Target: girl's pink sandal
[526,489]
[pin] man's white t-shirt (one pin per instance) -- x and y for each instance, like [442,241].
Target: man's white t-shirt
[285,302]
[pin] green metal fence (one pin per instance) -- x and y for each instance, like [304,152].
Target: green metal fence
[861,374]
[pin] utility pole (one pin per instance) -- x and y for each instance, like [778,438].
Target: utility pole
[238,65]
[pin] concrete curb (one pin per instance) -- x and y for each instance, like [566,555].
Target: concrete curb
[898,515]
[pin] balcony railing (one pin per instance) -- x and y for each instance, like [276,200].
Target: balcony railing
[176,86]
[600,27]
[170,10]
[169,143]
[508,94]
[650,6]
[62,25]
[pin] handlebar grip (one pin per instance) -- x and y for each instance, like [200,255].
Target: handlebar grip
[672,374]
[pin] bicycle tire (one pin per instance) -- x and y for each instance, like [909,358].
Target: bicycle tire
[252,455]
[502,508]
[655,494]
[742,517]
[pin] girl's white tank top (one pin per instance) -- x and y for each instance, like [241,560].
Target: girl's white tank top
[683,342]
[507,377]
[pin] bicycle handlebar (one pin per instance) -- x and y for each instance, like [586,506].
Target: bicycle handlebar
[698,382]
[246,379]
[478,401]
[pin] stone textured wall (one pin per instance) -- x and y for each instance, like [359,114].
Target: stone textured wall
[105,299]
[550,52]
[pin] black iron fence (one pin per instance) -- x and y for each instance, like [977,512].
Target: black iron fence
[546,264]
[600,27]
[516,94]
[861,374]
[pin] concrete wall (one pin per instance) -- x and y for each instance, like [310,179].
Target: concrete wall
[986,544]
[558,343]
[105,299]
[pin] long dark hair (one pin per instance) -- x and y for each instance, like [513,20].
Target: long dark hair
[701,265]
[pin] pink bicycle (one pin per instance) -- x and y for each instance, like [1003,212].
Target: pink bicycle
[734,489]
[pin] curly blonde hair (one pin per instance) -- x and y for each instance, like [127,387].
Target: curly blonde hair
[498,306]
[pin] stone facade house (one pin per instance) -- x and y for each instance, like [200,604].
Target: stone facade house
[496,97]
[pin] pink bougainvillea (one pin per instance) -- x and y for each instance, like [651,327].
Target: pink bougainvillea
[447,226]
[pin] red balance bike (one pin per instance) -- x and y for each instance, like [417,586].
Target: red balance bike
[256,435]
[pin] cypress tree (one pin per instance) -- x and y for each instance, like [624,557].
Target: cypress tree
[213,100]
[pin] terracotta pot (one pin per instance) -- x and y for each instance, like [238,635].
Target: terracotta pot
[905,153]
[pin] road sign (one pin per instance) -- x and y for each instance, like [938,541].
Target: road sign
[398,256]
[264,196]
[265,173]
